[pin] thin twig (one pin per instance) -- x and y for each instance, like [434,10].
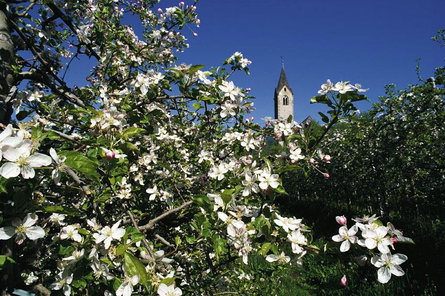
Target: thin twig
[144,241]
[152,222]
[164,241]
[77,180]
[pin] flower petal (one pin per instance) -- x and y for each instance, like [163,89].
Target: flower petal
[9,170]
[377,262]
[383,275]
[6,132]
[30,220]
[344,247]
[54,155]
[38,160]
[337,238]
[370,243]
[27,172]
[35,232]
[398,258]
[396,270]
[6,232]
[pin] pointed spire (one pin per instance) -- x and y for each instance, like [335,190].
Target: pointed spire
[282,82]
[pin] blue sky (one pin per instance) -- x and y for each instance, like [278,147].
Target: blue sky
[369,42]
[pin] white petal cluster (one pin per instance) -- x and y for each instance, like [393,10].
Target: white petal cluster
[19,155]
[108,234]
[23,229]
[373,236]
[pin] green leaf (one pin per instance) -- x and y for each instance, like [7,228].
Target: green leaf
[129,147]
[61,210]
[280,189]
[323,99]
[133,266]
[193,69]
[265,248]
[324,118]
[218,245]
[116,284]
[190,239]
[168,281]
[197,106]
[81,163]
[4,259]
[226,195]
[131,132]
[137,237]
[120,250]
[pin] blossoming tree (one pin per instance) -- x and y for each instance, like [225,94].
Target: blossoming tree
[150,178]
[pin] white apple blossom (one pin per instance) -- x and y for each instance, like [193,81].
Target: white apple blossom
[217,172]
[377,238]
[287,223]
[154,192]
[230,90]
[75,256]
[57,218]
[325,88]
[126,288]
[21,161]
[296,155]
[297,240]
[250,184]
[6,133]
[267,179]
[59,165]
[227,109]
[343,87]
[164,290]
[63,283]
[347,237]
[71,232]
[282,258]
[23,229]
[388,264]
[107,234]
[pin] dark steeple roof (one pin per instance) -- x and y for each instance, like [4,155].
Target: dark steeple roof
[282,82]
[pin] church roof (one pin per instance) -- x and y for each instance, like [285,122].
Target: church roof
[282,82]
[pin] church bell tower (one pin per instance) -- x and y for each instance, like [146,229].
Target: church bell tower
[283,98]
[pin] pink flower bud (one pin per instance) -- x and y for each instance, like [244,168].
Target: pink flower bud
[326,175]
[181,4]
[327,158]
[110,154]
[293,161]
[311,160]
[297,130]
[193,8]
[159,10]
[341,220]
[395,240]
[344,281]
[195,34]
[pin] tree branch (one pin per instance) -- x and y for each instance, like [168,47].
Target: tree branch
[152,222]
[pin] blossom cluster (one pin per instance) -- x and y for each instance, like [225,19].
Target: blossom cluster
[374,236]
[342,87]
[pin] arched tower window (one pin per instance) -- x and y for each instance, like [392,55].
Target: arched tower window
[285,100]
